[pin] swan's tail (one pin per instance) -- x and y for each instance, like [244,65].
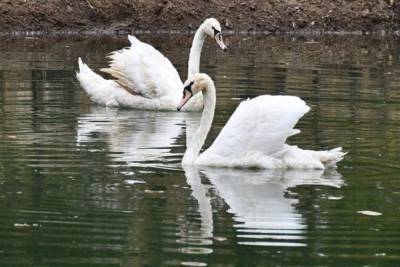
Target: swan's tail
[100,90]
[88,79]
[132,39]
[330,157]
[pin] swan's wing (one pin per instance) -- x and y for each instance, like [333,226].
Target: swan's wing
[261,124]
[143,70]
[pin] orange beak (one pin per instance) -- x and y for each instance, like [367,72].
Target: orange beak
[186,96]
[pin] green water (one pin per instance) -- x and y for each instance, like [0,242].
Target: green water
[83,185]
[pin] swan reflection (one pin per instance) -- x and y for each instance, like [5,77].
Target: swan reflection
[262,206]
[136,137]
[262,211]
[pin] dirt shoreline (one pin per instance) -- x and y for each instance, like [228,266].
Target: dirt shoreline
[163,16]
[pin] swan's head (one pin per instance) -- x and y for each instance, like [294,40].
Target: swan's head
[197,83]
[212,27]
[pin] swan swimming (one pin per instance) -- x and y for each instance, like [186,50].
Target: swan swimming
[145,78]
[254,136]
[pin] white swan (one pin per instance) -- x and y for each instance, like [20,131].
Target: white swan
[146,79]
[255,135]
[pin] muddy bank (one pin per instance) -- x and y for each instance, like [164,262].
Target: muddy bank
[269,16]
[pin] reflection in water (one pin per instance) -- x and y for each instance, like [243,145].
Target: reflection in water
[199,192]
[68,195]
[134,137]
[263,212]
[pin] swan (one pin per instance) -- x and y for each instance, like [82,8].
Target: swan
[254,136]
[145,78]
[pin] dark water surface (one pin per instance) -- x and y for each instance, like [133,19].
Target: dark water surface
[83,185]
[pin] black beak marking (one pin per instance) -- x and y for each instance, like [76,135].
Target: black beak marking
[215,31]
[219,36]
[188,88]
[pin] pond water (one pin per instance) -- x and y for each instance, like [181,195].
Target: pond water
[85,185]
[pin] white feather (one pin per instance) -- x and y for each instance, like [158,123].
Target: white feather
[100,90]
[144,78]
[255,136]
[260,124]
[145,71]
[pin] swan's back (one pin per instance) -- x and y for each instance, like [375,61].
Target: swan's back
[143,70]
[260,124]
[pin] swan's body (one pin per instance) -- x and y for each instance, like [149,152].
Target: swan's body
[255,135]
[144,78]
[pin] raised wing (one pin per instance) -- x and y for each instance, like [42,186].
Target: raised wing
[261,125]
[143,70]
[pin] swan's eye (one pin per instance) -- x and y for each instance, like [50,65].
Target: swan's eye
[188,88]
[215,31]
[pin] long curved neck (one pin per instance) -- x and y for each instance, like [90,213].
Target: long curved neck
[199,136]
[195,51]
